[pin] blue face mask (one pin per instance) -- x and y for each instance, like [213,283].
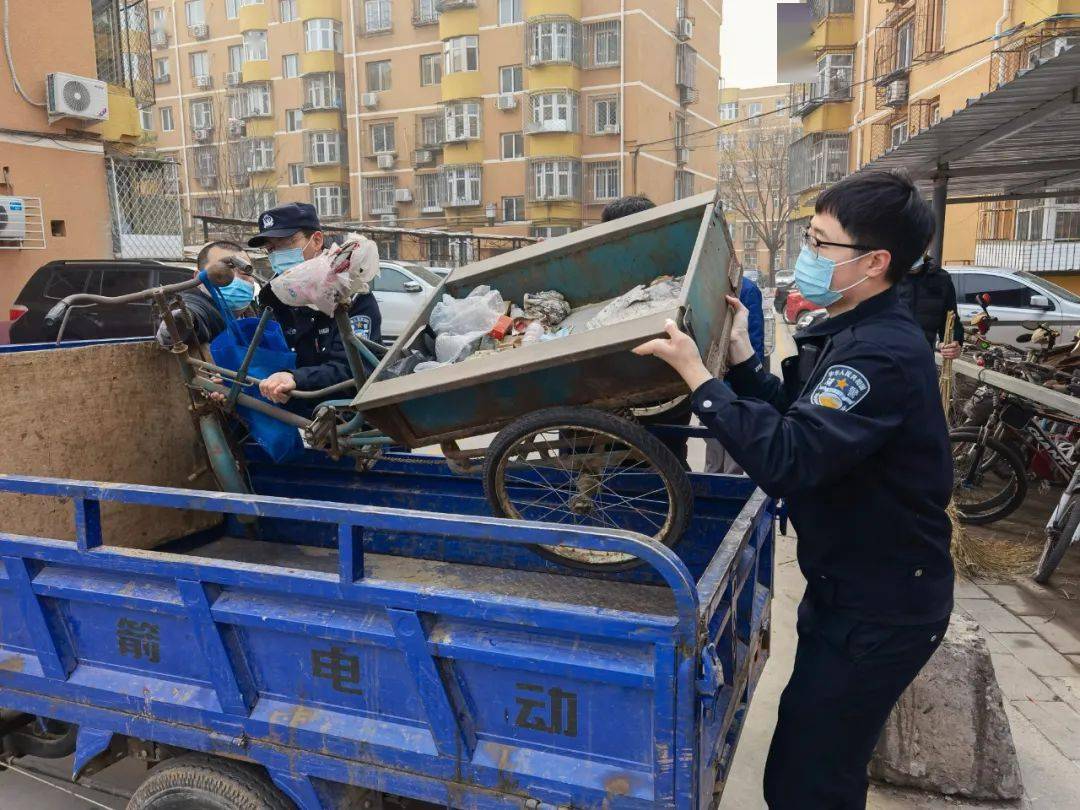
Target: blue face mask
[282,260]
[238,294]
[813,277]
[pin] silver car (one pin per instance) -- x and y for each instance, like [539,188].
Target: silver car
[402,290]
[1017,297]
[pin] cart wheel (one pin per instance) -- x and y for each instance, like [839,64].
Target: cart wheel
[583,467]
[201,782]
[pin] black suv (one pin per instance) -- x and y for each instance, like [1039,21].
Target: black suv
[60,279]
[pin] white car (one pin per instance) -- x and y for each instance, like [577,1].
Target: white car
[1017,298]
[402,290]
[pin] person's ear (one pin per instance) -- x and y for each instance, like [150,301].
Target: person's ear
[317,241]
[879,263]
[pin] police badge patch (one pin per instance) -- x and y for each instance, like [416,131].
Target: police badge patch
[841,389]
[361,325]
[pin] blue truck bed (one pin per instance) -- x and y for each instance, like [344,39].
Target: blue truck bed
[379,629]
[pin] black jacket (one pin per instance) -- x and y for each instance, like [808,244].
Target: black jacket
[320,351]
[930,295]
[855,440]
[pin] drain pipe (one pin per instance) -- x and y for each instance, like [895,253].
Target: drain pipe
[859,113]
[1006,13]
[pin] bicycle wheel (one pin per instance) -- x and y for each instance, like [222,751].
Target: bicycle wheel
[587,468]
[989,479]
[1054,551]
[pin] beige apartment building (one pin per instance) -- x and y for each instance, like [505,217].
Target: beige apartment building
[519,116]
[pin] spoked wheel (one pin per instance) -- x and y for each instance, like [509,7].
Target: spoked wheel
[1055,549]
[989,479]
[583,467]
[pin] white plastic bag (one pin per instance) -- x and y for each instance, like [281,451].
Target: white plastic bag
[476,313]
[332,277]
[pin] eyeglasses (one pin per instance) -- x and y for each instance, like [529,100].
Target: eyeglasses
[815,244]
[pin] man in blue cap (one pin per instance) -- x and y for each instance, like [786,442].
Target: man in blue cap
[291,234]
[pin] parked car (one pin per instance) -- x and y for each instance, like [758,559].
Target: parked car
[58,279]
[796,306]
[1016,297]
[441,272]
[402,290]
[808,319]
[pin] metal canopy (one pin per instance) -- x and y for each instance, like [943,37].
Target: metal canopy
[1018,140]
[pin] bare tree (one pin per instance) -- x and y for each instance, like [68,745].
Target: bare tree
[754,184]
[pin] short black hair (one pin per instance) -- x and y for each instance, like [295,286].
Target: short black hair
[625,206]
[883,210]
[224,244]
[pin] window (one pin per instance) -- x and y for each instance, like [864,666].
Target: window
[166,119]
[236,58]
[232,9]
[427,193]
[200,64]
[382,138]
[686,68]
[207,207]
[260,154]
[513,209]
[725,172]
[462,120]
[1066,219]
[461,53]
[322,91]
[379,193]
[555,41]
[935,113]
[754,109]
[376,16]
[555,179]
[549,231]
[329,201]
[378,76]
[254,46]
[322,35]
[255,101]
[1029,220]
[286,10]
[510,79]
[202,114]
[898,134]
[729,111]
[430,130]
[750,259]
[390,279]
[196,12]
[161,69]
[425,12]
[509,12]
[605,180]
[290,66]
[324,148]
[513,145]
[1004,292]
[684,184]
[236,104]
[553,111]
[294,120]
[460,186]
[678,125]
[605,115]
[205,162]
[905,44]
[817,159]
[726,140]
[296,174]
[157,19]
[146,119]
[430,69]
[602,44]
[834,76]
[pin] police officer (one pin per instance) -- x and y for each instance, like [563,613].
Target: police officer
[291,234]
[854,439]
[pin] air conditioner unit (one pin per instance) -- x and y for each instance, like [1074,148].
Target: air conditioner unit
[159,39]
[422,157]
[389,220]
[202,82]
[682,154]
[77,97]
[896,93]
[506,101]
[370,100]
[402,195]
[201,31]
[233,78]
[12,219]
[201,135]
[236,128]
[684,28]
[609,129]
[385,161]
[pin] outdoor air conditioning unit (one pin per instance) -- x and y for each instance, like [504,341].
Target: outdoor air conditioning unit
[232,78]
[389,220]
[12,219]
[159,39]
[506,101]
[236,128]
[385,161]
[684,28]
[896,93]
[422,157]
[201,135]
[682,154]
[609,129]
[77,97]
[370,100]
[201,31]
[202,82]
[402,195]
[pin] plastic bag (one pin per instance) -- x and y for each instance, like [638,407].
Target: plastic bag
[663,293]
[550,307]
[477,312]
[455,348]
[332,277]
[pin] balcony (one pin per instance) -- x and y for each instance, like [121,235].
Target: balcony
[558,125]
[425,12]
[687,95]
[320,104]
[442,6]
[808,96]
[833,32]
[817,160]
[159,39]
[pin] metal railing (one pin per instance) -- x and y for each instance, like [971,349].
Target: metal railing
[144,199]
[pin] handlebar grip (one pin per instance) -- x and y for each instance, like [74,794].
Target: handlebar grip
[55,316]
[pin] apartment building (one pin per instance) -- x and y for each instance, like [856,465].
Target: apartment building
[757,128]
[519,116]
[888,70]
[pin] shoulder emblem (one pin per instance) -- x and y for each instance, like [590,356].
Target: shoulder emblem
[841,389]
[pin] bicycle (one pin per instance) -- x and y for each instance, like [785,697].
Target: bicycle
[1062,530]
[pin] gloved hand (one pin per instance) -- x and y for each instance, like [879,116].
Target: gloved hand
[164,337]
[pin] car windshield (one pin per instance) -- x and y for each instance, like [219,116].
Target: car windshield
[1049,287]
[422,272]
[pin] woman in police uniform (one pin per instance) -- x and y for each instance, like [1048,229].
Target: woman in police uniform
[854,439]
